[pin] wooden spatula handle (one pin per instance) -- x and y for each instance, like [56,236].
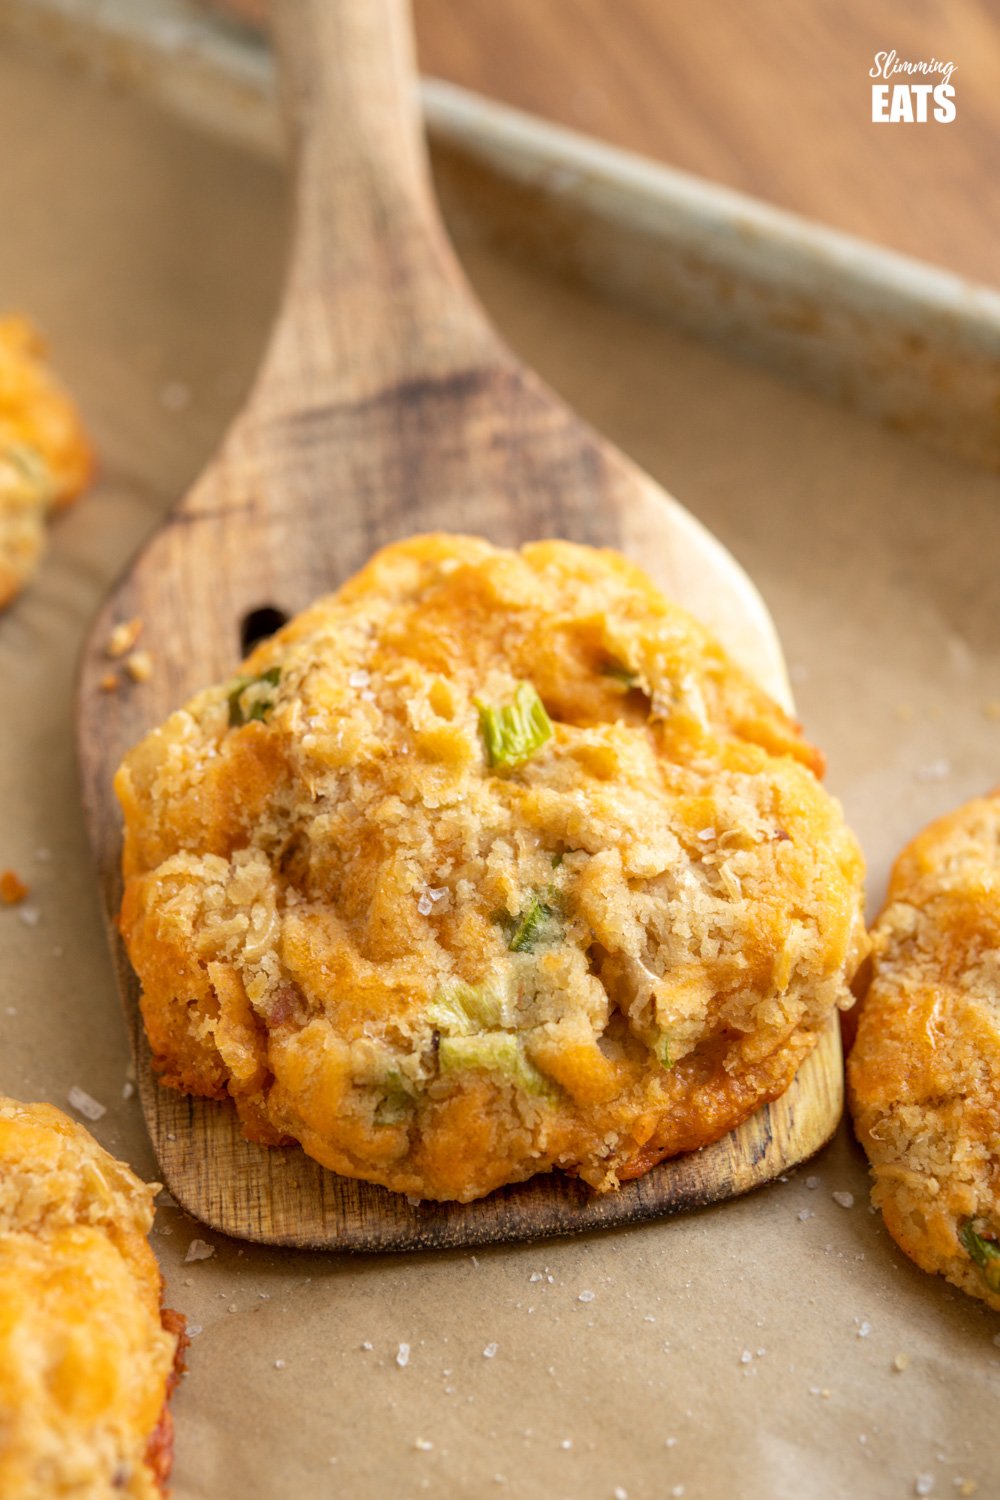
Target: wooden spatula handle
[374,294]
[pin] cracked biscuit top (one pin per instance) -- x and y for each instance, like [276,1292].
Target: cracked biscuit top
[924,1072]
[490,863]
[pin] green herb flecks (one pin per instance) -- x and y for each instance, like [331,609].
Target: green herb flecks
[396,1103]
[620,673]
[459,1009]
[514,731]
[663,1050]
[533,925]
[252,697]
[985,1253]
[492,1052]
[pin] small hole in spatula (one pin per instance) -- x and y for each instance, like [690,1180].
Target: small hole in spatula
[259,624]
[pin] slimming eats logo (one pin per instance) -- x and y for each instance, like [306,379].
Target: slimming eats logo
[912,103]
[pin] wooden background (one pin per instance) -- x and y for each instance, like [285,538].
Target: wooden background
[769,96]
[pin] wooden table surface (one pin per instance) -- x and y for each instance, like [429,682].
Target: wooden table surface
[769,96]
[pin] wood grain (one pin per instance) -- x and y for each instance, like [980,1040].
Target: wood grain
[765,97]
[769,98]
[386,404]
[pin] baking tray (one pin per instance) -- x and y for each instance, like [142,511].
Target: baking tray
[744,1349]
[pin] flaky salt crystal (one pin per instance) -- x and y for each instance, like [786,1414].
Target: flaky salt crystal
[85,1104]
[199,1250]
[403,1356]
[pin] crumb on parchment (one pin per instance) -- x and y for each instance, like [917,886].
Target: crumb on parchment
[12,888]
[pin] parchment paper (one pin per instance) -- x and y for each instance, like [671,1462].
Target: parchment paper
[742,1351]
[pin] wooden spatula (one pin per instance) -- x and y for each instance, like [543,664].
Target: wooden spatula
[387,405]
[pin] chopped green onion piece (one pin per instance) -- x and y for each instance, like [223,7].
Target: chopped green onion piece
[985,1253]
[620,673]
[460,1009]
[397,1101]
[262,701]
[492,1052]
[516,730]
[527,927]
[663,1050]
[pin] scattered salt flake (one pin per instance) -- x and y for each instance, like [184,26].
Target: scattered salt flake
[812,1182]
[359,679]
[424,1444]
[900,1362]
[649,1318]
[671,1442]
[804,1214]
[128,1089]
[192,1330]
[846,1200]
[12,888]
[233,1307]
[677,1491]
[923,1484]
[85,1104]
[620,1493]
[403,1356]
[566,1443]
[367,696]
[29,915]
[425,905]
[535,1276]
[746,1357]
[367,1345]
[585,1297]
[280,1364]
[490,1351]
[935,770]
[864,1328]
[706,835]
[199,1250]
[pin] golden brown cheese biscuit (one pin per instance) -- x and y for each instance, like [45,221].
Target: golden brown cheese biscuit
[924,1072]
[489,863]
[45,458]
[87,1359]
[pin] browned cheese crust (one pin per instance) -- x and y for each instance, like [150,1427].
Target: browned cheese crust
[87,1355]
[444,972]
[924,1072]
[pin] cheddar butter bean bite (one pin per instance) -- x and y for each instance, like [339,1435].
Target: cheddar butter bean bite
[45,457]
[87,1356]
[488,864]
[924,1072]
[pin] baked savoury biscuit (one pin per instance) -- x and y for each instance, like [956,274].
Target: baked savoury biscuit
[924,1072]
[87,1358]
[490,863]
[45,458]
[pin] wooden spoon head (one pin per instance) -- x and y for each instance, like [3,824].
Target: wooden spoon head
[299,497]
